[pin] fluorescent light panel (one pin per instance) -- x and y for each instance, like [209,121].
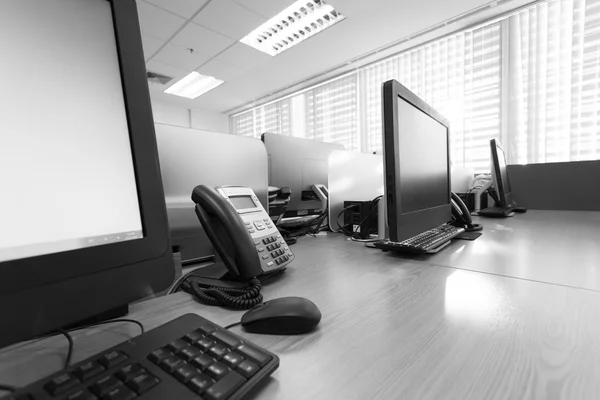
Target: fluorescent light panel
[193,85]
[293,25]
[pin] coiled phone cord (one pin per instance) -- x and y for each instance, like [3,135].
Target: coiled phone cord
[240,299]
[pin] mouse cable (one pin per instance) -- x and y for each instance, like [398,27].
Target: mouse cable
[239,299]
[232,325]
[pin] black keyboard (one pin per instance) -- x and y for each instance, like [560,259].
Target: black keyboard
[187,358]
[429,241]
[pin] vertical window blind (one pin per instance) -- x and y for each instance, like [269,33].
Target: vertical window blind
[530,79]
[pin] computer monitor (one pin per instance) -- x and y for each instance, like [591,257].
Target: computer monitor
[83,226]
[499,175]
[298,164]
[416,162]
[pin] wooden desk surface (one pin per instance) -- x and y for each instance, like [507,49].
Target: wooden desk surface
[392,328]
[560,247]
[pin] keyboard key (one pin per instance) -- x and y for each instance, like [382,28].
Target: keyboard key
[232,359]
[142,383]
[61,384]
[169,364]
[217,370]
[129,372]
[208,329]
[105,385]
[218,351]
[200,383]
[88,370]
[205,343]
[203,361]
[185,373]
[81,395]
[226,338]
[225,387]
[247,368]
[190,353]
[111,359]
[177,345]
[158,355]
[120,393]
[252,352]
[193,336]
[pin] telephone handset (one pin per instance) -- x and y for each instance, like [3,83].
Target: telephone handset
[461,214]
[241,231]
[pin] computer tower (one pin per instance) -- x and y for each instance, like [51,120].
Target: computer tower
[361,219]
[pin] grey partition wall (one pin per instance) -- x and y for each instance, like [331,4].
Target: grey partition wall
[189,157]
[557,186]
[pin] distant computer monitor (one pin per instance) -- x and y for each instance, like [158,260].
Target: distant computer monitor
[83,226]
[417,163]
[298,164]
[499,175]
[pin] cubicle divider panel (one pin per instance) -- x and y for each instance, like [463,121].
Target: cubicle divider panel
[556,186]
[190,157]
[352,176]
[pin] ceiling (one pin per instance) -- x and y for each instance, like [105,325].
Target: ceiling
[180,36]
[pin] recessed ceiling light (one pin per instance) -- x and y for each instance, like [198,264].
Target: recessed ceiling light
[193,85]
[293,25]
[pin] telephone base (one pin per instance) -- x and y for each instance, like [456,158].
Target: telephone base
[216,275]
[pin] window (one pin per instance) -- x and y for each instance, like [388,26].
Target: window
[530,79]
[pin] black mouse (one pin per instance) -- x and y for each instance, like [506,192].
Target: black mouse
[283,316]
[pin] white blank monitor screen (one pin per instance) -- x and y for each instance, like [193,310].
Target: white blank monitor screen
[423,160]
[66,168]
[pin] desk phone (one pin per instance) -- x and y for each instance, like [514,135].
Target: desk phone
[241,230]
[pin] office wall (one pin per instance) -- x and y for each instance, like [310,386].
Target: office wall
[557,186]
[169,114]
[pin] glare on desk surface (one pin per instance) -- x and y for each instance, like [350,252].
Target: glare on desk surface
[473,297]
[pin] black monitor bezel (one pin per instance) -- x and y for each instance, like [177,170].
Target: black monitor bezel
[132,262]
[505,198]
[402,226]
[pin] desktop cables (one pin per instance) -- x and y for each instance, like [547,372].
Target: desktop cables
[354,234]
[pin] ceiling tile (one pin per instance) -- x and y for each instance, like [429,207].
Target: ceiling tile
[243,56]
[202,40]
[180,57]
[266,8]
[156,22]
[184,8]
[150,45]
[220,70]
[229,19]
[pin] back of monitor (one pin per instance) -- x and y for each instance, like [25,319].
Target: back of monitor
[188,158]
[298,164]
[352,177]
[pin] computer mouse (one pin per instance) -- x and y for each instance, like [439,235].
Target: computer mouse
[283,316]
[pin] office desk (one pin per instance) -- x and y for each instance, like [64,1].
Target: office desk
[559,247]
[392,328]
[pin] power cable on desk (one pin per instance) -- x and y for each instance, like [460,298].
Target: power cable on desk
[70,351]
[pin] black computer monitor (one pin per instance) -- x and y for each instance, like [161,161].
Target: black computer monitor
[499,175]
[417,163]
[83,227]
[298,164]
